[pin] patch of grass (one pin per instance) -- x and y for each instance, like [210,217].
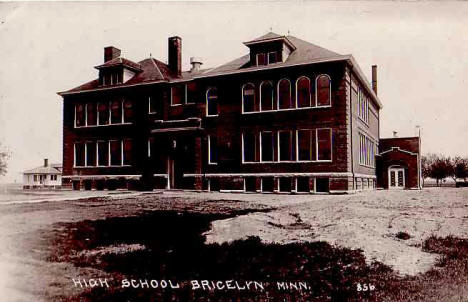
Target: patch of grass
[175,250]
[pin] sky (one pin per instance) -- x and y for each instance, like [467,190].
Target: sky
[420,49]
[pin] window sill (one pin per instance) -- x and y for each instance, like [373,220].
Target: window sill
[107,125]
[176,105]
[212,115]
[367,166]
[288,162]
[98,167]
[213,164]
[288,109]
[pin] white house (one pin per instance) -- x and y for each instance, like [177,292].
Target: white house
[46,176]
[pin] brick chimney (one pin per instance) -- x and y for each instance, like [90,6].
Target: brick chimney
[46,162]
[175,55]
[110,53]
[374,78]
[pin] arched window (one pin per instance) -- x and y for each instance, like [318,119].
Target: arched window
[212,102]
[323,95]
[284,94]
[248,98]
[303,97]
[266,96]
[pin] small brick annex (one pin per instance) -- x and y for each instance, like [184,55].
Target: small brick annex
[289,116]
[399,154]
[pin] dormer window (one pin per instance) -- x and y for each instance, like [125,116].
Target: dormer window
[272,57]
[269,49]
[116,70]
[261,59]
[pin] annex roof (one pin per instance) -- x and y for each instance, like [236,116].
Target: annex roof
[51,169]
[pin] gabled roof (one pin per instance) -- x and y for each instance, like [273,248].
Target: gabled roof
[269,37]
[51,169]
[120,61]
[303,53]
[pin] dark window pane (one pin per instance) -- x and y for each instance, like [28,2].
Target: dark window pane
[116,112]
[127,151]
[324,144]
[267,96]
[285,184]
[261,59]
[91,154]
[272,57]
[128,111]
[303,92]
[303,184]
[305,142]
[212,101]
[248,97]
[284,94]
[323,90]
[268,184]
[249,147]
[192,93]
[92,114]
[178,94]
[286,146]
[103,110]
[267,146]
[80,115]
[103,153]
[79,154]
[213,149]
[115,153]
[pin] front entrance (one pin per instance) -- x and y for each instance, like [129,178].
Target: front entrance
[175,173]
[396,178]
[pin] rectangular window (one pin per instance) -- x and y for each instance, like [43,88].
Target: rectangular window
[152,104]
[190,93]
[103,113]
[115,153]
[261,59]
[79,154]
[268,146]
[91,111]
[268,184]
[286,146]
[128,111]
[212,102]
[127,152]
[116,112]
[324,144]
[285,184]
[306,145]
[303,184]
[272,57]
[103,153]
[177,94]
[90,154]
[249,147]
[212,150]
[363,106]
[80,117]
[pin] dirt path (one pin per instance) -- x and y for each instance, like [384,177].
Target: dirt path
[369,221]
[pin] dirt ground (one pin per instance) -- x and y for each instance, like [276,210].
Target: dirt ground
[369,221]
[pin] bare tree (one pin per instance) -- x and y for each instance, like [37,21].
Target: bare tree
[4,155]
[459,168]
[426,164]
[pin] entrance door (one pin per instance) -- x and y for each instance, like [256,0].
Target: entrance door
[175,172]
[396,178]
